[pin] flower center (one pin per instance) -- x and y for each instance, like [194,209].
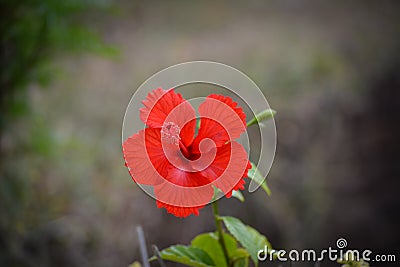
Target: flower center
[170,133]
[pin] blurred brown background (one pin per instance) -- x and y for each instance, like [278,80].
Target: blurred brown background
[330,69]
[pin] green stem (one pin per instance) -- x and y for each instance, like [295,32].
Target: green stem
[220,232]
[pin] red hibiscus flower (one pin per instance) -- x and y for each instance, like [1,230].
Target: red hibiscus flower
[184,168]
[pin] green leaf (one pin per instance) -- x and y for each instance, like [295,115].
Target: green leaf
[217,193]
[255,174]
[187,255]
[240,258]
[230,243]
[237,194]
[243,262]
[209,243]
[262,116]
[239,253]
[249,237]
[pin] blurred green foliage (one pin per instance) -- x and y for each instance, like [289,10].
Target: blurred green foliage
[33,32]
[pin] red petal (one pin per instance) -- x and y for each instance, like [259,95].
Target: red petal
[241,183]
[221,120]
[229,168]
[145,158]
[233,105]
[163,106]
[181,212]
[158,105]
[188,192]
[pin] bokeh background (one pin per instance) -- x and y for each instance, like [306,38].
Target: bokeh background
[68,69]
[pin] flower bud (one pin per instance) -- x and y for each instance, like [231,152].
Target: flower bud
[262,116]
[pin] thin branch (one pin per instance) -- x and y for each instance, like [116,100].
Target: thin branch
[158,256]
[142,244]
